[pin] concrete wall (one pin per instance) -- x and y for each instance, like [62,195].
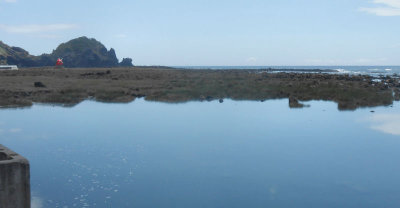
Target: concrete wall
[14,180]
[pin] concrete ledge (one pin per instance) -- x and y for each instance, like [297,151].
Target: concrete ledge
[14,180]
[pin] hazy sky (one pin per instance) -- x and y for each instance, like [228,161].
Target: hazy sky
[214,32]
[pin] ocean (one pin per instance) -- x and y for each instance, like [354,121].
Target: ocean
[371,70]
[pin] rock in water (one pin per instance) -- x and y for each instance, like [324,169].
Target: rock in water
[294,103]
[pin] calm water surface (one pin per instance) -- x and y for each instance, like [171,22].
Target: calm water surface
[207,154]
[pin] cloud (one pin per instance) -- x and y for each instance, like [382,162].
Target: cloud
[28,29]
[49,36]
[371,60]
[391,3]
[251,59]
[121,36]
[315,62]
[386,123]
[15,130]
[391,8]
[395,46]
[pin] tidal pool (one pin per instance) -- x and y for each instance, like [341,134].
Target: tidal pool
[208,154]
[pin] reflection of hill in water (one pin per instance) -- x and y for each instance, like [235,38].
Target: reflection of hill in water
[71,86]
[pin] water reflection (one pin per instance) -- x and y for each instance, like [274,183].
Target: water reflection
[36,202]
[210,154]
[387,123]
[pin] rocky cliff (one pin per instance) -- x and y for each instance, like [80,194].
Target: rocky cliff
[79,52]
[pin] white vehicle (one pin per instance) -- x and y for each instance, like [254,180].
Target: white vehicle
[8,67]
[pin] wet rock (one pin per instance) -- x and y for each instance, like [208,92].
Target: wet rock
[294,103]
[397,95]
[185,85]
[39,84]
[138,95]
[202,97]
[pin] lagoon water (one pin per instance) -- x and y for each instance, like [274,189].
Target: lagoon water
[208,154]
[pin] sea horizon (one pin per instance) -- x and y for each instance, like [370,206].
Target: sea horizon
[343,69]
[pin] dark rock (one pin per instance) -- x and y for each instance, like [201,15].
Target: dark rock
[294,103]
[138,95]
[85,52]
[126,62]
[39,84]
[221,100]
[202,98]
[100,73]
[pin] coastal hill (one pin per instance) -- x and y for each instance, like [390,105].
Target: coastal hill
[79,52]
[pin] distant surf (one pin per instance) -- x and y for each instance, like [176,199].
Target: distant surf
[370,70]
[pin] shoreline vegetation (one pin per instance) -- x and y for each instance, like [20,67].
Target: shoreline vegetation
[71,86]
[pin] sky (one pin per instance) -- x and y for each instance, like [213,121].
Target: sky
[214,32]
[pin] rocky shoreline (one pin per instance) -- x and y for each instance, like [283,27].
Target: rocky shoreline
[69,87]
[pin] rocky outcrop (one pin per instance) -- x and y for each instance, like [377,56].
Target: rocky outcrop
[85,52]
[126,62]
[15,56]
[79,52]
